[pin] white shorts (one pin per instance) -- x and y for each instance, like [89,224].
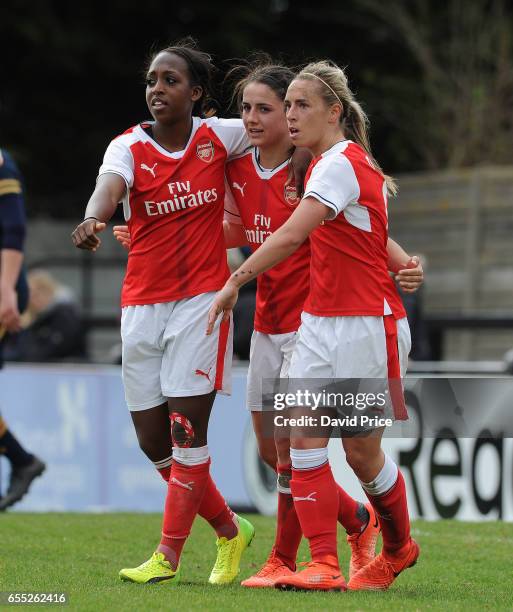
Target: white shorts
[346,347]
[269,357]
[167,354]
[353,347]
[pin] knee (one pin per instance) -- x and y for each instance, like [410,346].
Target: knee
[355,458]
[301,443]
[360,456]
[267,453]
[154,448]
[183,432]
[188,432]
[283,450]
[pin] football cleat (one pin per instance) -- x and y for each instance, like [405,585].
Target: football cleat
[379,574]
[229,553]
[21,479]
[272,569]
[318,576]
[156,570]
[363,545]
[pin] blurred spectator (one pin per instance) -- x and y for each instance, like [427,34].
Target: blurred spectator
[13,299]
[54,328]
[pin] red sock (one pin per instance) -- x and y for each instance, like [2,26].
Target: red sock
[165,472]
[350,514]
[288,530]
[316,502]
[214,509]
[185,492]
[392,509]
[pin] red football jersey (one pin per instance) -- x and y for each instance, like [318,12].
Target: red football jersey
[349,250]
[264,203]
[174,208]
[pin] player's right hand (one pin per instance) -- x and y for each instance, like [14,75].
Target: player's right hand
[9,314]
[84,235]
[122,235]
[223,303]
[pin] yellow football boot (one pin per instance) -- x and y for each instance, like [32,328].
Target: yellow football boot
[153,571]
[229,553]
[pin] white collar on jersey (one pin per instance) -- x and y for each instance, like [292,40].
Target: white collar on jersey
[266,173]
[336,146]
[196,122]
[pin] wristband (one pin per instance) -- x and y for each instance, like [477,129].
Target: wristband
[95,218]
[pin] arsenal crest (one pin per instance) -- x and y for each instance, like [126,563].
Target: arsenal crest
[205,150]
[290,194]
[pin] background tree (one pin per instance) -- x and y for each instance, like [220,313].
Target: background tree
[465,55]
[435,77]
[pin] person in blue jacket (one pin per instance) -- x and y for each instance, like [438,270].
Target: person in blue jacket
[13,300]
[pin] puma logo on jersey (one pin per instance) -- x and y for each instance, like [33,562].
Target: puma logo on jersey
[184,485]
[241,189]
[205,374]
[309,497]
[150,170]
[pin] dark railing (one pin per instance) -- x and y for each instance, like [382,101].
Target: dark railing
[86,266]
[436,324]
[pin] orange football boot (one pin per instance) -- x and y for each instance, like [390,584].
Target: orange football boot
[322,575]
[272,569]
[379,574]
[363,545]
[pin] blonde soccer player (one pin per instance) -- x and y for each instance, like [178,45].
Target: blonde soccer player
[349,326]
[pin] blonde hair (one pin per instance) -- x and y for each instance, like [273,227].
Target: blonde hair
[334,89]
[43,281]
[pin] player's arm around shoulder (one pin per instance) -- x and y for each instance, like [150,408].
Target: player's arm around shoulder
[309,214]
[231,133]
[109,191]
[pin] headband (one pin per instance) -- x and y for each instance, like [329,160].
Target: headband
[344,113]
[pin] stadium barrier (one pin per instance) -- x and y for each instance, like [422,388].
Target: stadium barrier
[96,282]
[75,418]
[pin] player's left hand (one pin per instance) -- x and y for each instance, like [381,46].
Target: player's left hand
[9,314]
[224,302]
[411,277]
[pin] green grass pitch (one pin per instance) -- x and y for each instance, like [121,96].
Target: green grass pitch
[463,566]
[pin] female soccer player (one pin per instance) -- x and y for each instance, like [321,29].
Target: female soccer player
[263,202]
[169,173]
[348,327]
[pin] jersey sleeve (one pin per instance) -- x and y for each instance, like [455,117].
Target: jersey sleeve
[333,182]
[118,159]
[12,208]
[231,210]
[231,133]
